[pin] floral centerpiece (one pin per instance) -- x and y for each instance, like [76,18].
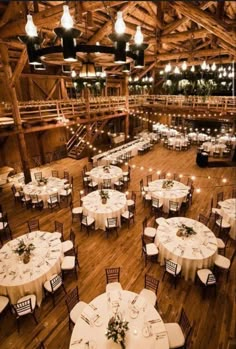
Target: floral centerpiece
[167,184]
[25,250]
[106,169]
[42,181]
[104,196]
[116,330]
[185,231]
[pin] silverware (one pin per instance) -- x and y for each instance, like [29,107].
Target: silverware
[85,319]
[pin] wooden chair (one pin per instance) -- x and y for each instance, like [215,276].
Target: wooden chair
[87,222]
[106,184]
[113,279]
[178,332]
[220,197]
[70,262]
[33,225]
[172,268]
[132,201]
[221,224]
[53,284]
[149,249]
[5,229]
[149,179]
[224,263]
[233,195]
[38,176]
[4,302]
[59,229]
[162,175]
[74,305]
[149,292]
[174,208]
[55,173]
[36,202]
[25,200]
[76,212]
[128,216]
[25,306]
[156,207]
[16,193]
[53,201]
[148,232]
[66,175]
[203,219]
[111,224]
[68,245]
[207,279]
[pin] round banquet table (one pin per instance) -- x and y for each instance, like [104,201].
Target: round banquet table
[192,252]
[177,141]
[228,212]
[115,206]
[209,146]
[18,279]
[198,136]
[98,174]
[176,193]
[53,185]
[89,330]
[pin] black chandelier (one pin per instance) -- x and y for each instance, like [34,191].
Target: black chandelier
[120,49]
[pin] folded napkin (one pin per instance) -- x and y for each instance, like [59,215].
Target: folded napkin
[114,296]
[140,302]
[89,314]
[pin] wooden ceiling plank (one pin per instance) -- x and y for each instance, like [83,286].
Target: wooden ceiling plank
[183,36]
[174,25]
[206,21]
[19,68]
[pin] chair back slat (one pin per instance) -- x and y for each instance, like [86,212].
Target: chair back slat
[55,282]
[151,283]
[112,275]
[185,324]
[203,219]
[72,298]
[33,225]
[112,222]
[170,266]
[23,308]
[211,279]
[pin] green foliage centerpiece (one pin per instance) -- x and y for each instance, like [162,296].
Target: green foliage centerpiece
[167,184]
[24,250]
[185,231]
[116,330]
[104,196]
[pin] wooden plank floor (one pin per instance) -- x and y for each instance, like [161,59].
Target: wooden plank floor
[213,317]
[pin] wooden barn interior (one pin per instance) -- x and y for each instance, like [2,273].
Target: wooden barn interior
[146,88]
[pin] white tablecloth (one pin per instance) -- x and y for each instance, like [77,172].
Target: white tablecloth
[198,136]
[177,141]
[18,279]
[98,174]
[115,206]
[209,146]
[228,139]
[4,173]
[54,185]
[137,335]
[192,252]
[228,212]
[176,193]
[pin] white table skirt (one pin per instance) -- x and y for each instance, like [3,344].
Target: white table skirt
[193,252]
[54,185]
[198,136]
[177,141]
[18,279]
[135,339]
[177,193]
[228,212]
[208,146]
[98,174]
[115,206]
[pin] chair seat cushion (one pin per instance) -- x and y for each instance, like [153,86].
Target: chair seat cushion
[3,303]
[65,192]
[149,296]
[147,197]
[57,234]
[127,215]
[3,225]
[203,275]
[151,249]
[47,284]
[90,220]
[67,246]
[77,210]
[93,184]
[112,286]
[77,310]
[175,335]
[52,200]
[68,263]
[150,232]
[222,262]
[130,202]
[25,298]
[220,243]
[224,224]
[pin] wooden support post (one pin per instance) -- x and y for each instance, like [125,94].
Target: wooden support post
[87,111]
[16,113]
[41,149]
[63,89]
[126,91]
[31,88]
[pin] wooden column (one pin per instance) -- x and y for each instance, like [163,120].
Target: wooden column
[63,89]
[31,88]
[126,93]
[16,113]
[87,111]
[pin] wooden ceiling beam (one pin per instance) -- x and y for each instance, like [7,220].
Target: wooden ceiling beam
[154,16]
[206,21]
[145,71]
[174,25]
[184,36]
[19,68]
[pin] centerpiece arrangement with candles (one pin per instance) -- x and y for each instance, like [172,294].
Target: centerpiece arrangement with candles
[185,231]
[42,181]
[104,196]
[116,330]
[167,184]
[24,250]
[106,169]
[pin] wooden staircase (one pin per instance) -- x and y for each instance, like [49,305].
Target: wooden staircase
[77,144]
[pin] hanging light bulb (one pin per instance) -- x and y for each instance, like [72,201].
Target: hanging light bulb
[73,74]
[220,75]
[127,47]
[184,65]
[30,28]
[66,19]
[192,69]
[204,65]
[213,67]
[176,70]
[224,73]
[138,37]
[119,24]
[168,68]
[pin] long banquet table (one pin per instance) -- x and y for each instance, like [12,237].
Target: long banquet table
[146,328]
[115,206]
[228,212]
[176,193]
[192,252]
[18,279]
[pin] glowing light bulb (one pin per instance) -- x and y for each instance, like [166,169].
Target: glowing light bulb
[30,28]
[184,65]
[204,65]
[213,67]
[119,24]
[66,19]
[138,37]
[176,70]
[192,69]
[73,74]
